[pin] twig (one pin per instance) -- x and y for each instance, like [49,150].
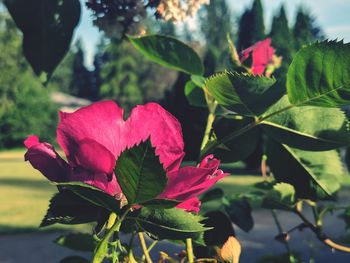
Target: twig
[144,247]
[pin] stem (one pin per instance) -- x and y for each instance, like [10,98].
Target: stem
[189,250]
[321,236]
[102,247]
[149,249]
[144,247]
[210,120]
[280,230]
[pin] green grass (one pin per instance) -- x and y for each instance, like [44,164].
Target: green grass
[25,193]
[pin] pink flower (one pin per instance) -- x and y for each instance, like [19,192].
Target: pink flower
[261,52]
[93,137]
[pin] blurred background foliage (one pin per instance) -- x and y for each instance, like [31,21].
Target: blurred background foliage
[122,74]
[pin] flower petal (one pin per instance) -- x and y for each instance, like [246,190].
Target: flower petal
[44,158]
[106,183]
[189,182]
[101,122]
[190,205]
[261,53]
[94,156]
[152,120]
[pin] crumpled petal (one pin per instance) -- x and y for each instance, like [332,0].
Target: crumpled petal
[152,120]
[100,122]
[44,158]
[261,53]
[190,205]
[189,182]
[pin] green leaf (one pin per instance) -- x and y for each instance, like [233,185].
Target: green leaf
[243,93]
[77,242]
[221,228]
[68,208]
[281,196]
[320,75]
[198,80]
[346,217]
[173,223]
[47,28]
[93,195]
[140,174]
[195,95]
[169,52]
[307,127]
[213,194]
[161,203]
[240,147]
[314,175]
[240,213]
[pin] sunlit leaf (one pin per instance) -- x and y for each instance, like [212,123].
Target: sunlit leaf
[169,52]
[320,75]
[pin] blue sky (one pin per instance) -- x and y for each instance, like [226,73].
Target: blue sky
[333,16]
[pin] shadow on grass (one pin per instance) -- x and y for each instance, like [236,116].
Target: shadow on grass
[26,183]
[10,230]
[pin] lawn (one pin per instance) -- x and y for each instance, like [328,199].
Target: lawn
[25,193]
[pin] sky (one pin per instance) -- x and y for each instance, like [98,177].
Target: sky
[333,17]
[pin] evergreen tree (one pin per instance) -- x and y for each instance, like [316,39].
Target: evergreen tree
[305,29]
[282,38]
[216,23]
[251,26]
[128,77]
[81,83]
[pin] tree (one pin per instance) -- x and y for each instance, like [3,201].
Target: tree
[25,107]
[305,29]
[216,16]
[81,84]
[251,26]
[282,38]
[128,78]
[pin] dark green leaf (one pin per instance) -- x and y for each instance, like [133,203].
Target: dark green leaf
[314,175]
[68,208]
[240,147]
[346,217]
[320,75]
[212,194]
[240,213]
[169,52]
[47,28]
[195,95]
[307,127]
[243,93]
[140,174]
[93,195]
[170,223]
[161,203]
[77,241]
[221,228]
[282,196]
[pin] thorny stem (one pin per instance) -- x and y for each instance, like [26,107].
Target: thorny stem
[144,247]
[99,252]
[280,230]
[189,250]
[320,235]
